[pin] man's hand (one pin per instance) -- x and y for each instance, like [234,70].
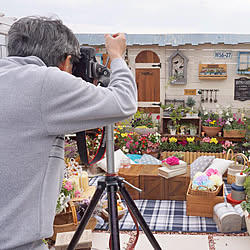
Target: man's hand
[115,45]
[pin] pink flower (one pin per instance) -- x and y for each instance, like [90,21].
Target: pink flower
[172,161]
[212,171]
[77,194]
[206,139]
[163,139]
[136,143]
[68,185]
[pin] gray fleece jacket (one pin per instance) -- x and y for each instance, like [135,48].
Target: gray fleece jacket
[39,105]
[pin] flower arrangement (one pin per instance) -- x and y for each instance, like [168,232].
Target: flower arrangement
[213,145]
[70,150]
[67,192]
[211,119]
[232,120]
[127,141]
[189,144]
[142,119]
[171,161]
[93,140]
[150,142]
[210,179]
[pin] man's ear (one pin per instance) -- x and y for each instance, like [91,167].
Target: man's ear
[66,65]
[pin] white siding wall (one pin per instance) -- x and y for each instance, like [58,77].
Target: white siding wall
[5,23]
[199,54]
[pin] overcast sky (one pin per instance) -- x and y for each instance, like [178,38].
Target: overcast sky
[139,16]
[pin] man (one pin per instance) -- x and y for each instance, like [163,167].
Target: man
[40,102]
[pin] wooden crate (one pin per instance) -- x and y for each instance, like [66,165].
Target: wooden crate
[151,183]
[176,188]
[203,206]
[131,175]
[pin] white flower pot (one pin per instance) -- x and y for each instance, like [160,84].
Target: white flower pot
[172,131]
[247,218]
[193,131]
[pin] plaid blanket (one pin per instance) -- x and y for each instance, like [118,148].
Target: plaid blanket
[166,215]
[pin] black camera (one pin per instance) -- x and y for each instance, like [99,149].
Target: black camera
[89,69]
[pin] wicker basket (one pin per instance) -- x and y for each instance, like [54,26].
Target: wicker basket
[105,214]
[236,168]
[204,193]
[67,221]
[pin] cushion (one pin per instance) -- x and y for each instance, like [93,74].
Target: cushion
[134,157]
[149,159]
[200,164]
[118,155]
[221,165]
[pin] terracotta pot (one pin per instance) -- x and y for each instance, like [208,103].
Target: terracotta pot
[211,131]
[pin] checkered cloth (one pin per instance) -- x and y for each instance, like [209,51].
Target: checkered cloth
[166,215]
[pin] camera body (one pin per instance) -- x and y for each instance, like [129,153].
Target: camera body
[89,69]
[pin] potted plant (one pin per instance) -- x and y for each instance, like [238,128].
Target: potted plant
[211,123]
[172,127]
[246,204]
[190,102]
[235,125]
[192,129]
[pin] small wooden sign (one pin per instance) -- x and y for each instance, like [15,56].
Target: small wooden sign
[189,91]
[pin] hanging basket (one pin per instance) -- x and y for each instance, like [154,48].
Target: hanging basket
[211,131]
[235,168]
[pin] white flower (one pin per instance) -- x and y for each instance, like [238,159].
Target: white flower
[203,108]
[231,119]
[205,113]
[228,123]
[227,114]
[220,112]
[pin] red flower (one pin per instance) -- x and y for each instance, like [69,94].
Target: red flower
[158,117]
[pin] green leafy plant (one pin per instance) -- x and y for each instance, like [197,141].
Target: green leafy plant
[246,204]
[190,102]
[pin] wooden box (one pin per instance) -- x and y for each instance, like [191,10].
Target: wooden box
[131,175]
[203,206]
[176,187]
[151,183]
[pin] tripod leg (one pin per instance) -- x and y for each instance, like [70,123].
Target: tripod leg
[113,216]
[100,188]
[138,216]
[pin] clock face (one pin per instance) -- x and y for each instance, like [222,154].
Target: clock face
[178,67]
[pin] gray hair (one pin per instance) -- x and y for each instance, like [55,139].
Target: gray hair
[48,39]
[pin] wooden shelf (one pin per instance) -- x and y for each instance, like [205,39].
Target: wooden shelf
[193,120]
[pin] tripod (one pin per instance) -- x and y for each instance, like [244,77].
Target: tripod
[112,183]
